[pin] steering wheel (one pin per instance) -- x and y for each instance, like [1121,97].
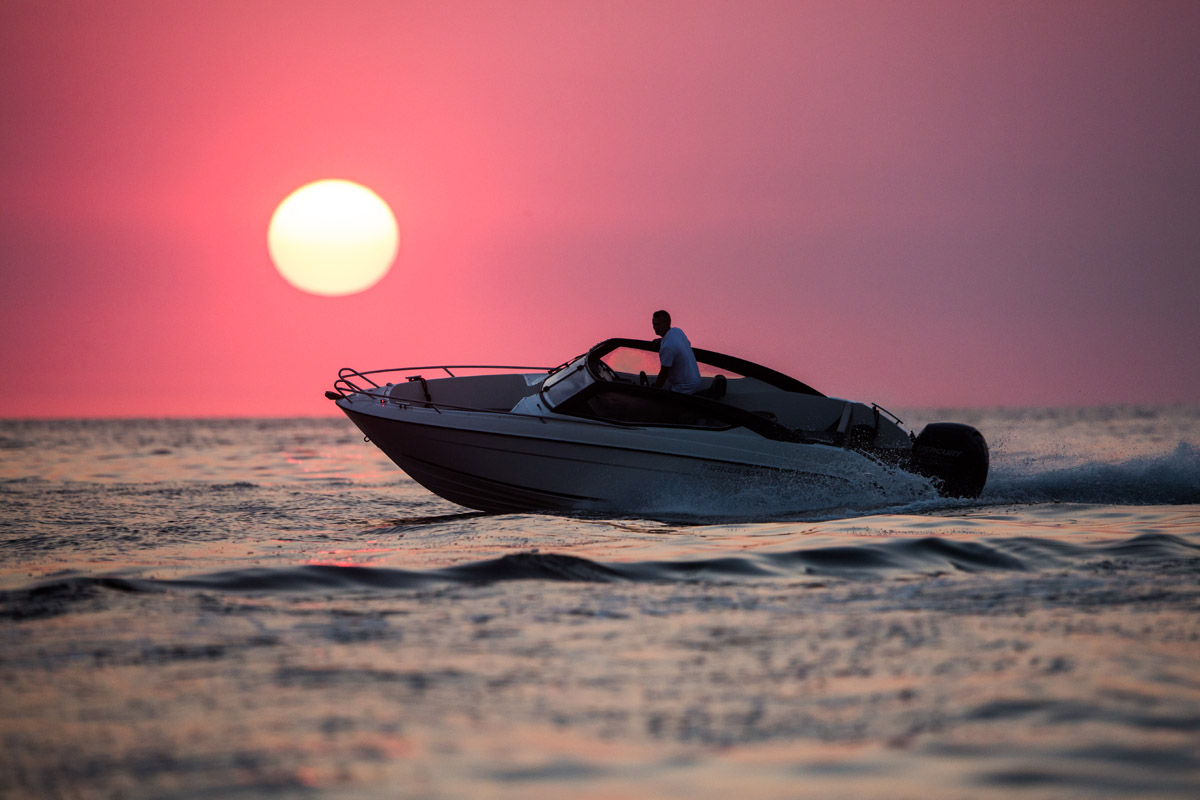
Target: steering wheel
[606,372]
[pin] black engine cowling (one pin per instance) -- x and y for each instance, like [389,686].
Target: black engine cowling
[955,456]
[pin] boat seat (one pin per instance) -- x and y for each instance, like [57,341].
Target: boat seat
[716,390]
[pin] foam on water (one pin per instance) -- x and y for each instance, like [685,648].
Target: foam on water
[1171,478]
[1166,479]
[780,496]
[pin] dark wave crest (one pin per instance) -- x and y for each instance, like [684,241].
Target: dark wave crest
[889,557]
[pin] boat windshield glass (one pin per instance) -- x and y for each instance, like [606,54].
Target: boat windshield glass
[567,382]
[629,362]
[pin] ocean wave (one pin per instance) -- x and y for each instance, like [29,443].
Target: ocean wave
[888,557]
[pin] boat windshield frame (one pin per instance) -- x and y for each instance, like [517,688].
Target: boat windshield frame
[718,361]
[574,388]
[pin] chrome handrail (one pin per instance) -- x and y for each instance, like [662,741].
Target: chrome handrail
[345,383]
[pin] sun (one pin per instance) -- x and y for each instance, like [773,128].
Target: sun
[333,237]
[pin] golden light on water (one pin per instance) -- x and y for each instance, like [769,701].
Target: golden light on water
[333,237]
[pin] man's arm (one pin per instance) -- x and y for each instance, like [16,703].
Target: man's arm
[661,380]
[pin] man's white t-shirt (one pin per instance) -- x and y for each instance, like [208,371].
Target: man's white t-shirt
[676,357]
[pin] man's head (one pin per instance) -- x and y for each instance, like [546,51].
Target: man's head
[662,322]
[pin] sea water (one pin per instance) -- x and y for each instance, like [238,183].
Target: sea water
[249,608]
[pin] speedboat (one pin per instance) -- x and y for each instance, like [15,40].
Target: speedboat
[594,436]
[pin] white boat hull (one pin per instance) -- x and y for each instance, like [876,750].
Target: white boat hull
[502,462]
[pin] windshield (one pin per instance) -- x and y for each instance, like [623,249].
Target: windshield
[630,362]
[566,383]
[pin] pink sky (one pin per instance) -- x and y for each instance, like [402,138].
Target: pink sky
[906,202]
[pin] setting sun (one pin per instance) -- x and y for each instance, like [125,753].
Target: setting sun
[333,237]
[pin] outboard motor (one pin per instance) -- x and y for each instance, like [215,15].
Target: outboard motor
[955,456]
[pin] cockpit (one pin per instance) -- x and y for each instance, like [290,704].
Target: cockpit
[614,382]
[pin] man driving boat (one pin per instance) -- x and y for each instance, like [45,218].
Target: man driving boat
[677,362]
